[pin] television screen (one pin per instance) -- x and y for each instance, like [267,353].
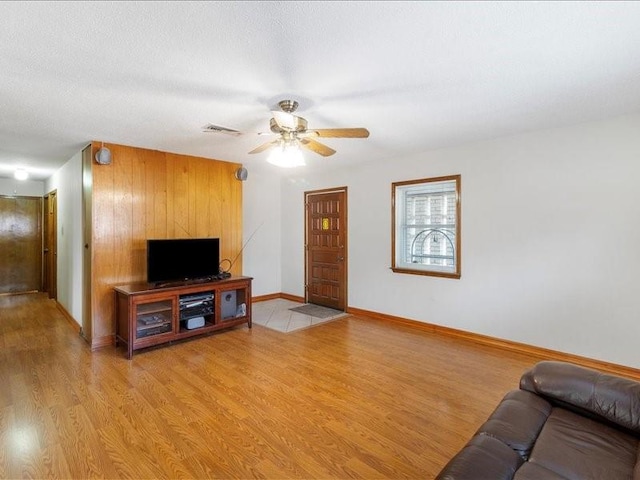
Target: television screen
[184,259]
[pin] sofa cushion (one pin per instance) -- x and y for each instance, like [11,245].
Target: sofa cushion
[614,399]
[483,457]
[533,471]
[576,447]
[517,420]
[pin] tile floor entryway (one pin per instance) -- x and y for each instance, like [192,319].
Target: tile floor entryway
[275,314]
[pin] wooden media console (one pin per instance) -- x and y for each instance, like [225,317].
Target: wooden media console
[148,315]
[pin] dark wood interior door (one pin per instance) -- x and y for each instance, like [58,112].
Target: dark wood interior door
[326,248]
[20,244]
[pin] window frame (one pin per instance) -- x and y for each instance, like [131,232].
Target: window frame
[399,267]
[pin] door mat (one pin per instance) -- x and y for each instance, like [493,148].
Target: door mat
[317,311]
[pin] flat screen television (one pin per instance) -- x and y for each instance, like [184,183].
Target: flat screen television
[184,259]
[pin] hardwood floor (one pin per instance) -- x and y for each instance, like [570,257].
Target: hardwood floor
[353,398]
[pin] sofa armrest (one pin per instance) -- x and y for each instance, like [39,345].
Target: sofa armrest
[599,395]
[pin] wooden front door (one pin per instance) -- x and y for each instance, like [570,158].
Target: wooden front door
[326,247]
[20,244]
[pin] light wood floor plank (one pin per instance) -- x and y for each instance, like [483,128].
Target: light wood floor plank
[354,398]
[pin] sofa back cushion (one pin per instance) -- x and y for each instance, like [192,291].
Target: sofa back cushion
[581,389]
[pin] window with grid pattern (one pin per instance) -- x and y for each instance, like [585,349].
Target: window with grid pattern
[426,226]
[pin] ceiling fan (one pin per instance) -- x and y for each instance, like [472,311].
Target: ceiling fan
[292,132]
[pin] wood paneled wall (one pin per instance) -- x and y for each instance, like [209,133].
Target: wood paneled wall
[146,194]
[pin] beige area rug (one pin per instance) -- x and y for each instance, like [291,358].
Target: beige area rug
[287,316]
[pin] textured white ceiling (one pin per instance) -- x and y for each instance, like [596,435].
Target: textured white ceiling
[418,75]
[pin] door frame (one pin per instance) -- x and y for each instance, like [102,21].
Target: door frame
[344,281]
[50,244]
[86,330]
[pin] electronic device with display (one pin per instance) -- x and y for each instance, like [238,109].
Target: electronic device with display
[181,260]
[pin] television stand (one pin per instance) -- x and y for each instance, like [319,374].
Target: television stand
[149,315]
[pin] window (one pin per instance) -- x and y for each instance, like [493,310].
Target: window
[426,226]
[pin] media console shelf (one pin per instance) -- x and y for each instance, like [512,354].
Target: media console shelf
[147,315]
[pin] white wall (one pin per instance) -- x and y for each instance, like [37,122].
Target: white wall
[68,183]
[21,188]
[550,237]
[261,257]
[292,247]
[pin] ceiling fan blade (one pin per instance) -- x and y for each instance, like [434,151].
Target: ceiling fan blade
[307,134]
[288,121]
[265,146]
[342,132]
[317,147]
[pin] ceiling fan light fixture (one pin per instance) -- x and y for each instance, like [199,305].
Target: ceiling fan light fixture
[286,155]
[293,135]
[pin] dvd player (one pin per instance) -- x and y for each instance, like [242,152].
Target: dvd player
[195,299]
[196,305]
[199,311]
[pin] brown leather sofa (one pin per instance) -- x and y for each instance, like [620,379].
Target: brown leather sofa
[565,422]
